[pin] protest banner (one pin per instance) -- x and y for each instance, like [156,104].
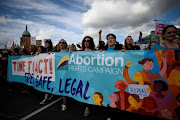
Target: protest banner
[33,40]
[159,28]
[128,80]
[9,44]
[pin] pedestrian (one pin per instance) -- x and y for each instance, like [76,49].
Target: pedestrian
[151,44]
[129,44]
[49,46]
[169,35]
[63,48]
[88,45]
[112,44]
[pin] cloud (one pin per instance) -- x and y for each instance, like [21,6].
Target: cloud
[49,20]
[134,32]
[176,22]
[129,16]
[2,20]
[78,4]
[39,29]
[124,13]
[40,5]
[65,20]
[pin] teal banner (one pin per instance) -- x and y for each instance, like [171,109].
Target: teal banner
[135,81]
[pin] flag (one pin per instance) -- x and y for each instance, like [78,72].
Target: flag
[140,37]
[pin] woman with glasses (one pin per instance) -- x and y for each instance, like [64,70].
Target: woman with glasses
[63,48]
[169,35]
[88,45]
[129,44]
[63,45]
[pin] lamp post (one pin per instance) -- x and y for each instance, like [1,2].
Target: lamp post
[160,20]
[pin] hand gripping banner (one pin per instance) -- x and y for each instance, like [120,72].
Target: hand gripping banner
[145,82]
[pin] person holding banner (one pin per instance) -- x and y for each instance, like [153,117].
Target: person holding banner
[87,45]
[151,44]
[101,44]
[72,48]
[63,46]
[49,46]
[169,35]
[23,52]
[111,43]
[129,44]
[42,49]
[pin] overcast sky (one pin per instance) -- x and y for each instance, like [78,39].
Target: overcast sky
[74,19]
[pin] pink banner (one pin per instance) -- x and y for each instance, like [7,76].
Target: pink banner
[159,28]
[10,43]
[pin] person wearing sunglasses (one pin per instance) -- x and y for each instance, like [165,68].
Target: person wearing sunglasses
[129,44]
[169,35]
[63,48]
[63,45]
[88,44]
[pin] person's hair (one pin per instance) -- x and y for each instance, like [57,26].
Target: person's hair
[164,85]
[149,46]
[149,98]
[136,97]
[166,28]
[114,36]
[42,48]
[101,45]
[103,42]
[91,43]
[100,95]
[145,60]
[73,45]
[50,45]
[66,45]
[16,50]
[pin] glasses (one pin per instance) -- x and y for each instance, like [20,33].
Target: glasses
[61,42]
[86,40]
[128,39]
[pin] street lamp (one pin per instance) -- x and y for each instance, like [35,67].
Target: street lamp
[160,20]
